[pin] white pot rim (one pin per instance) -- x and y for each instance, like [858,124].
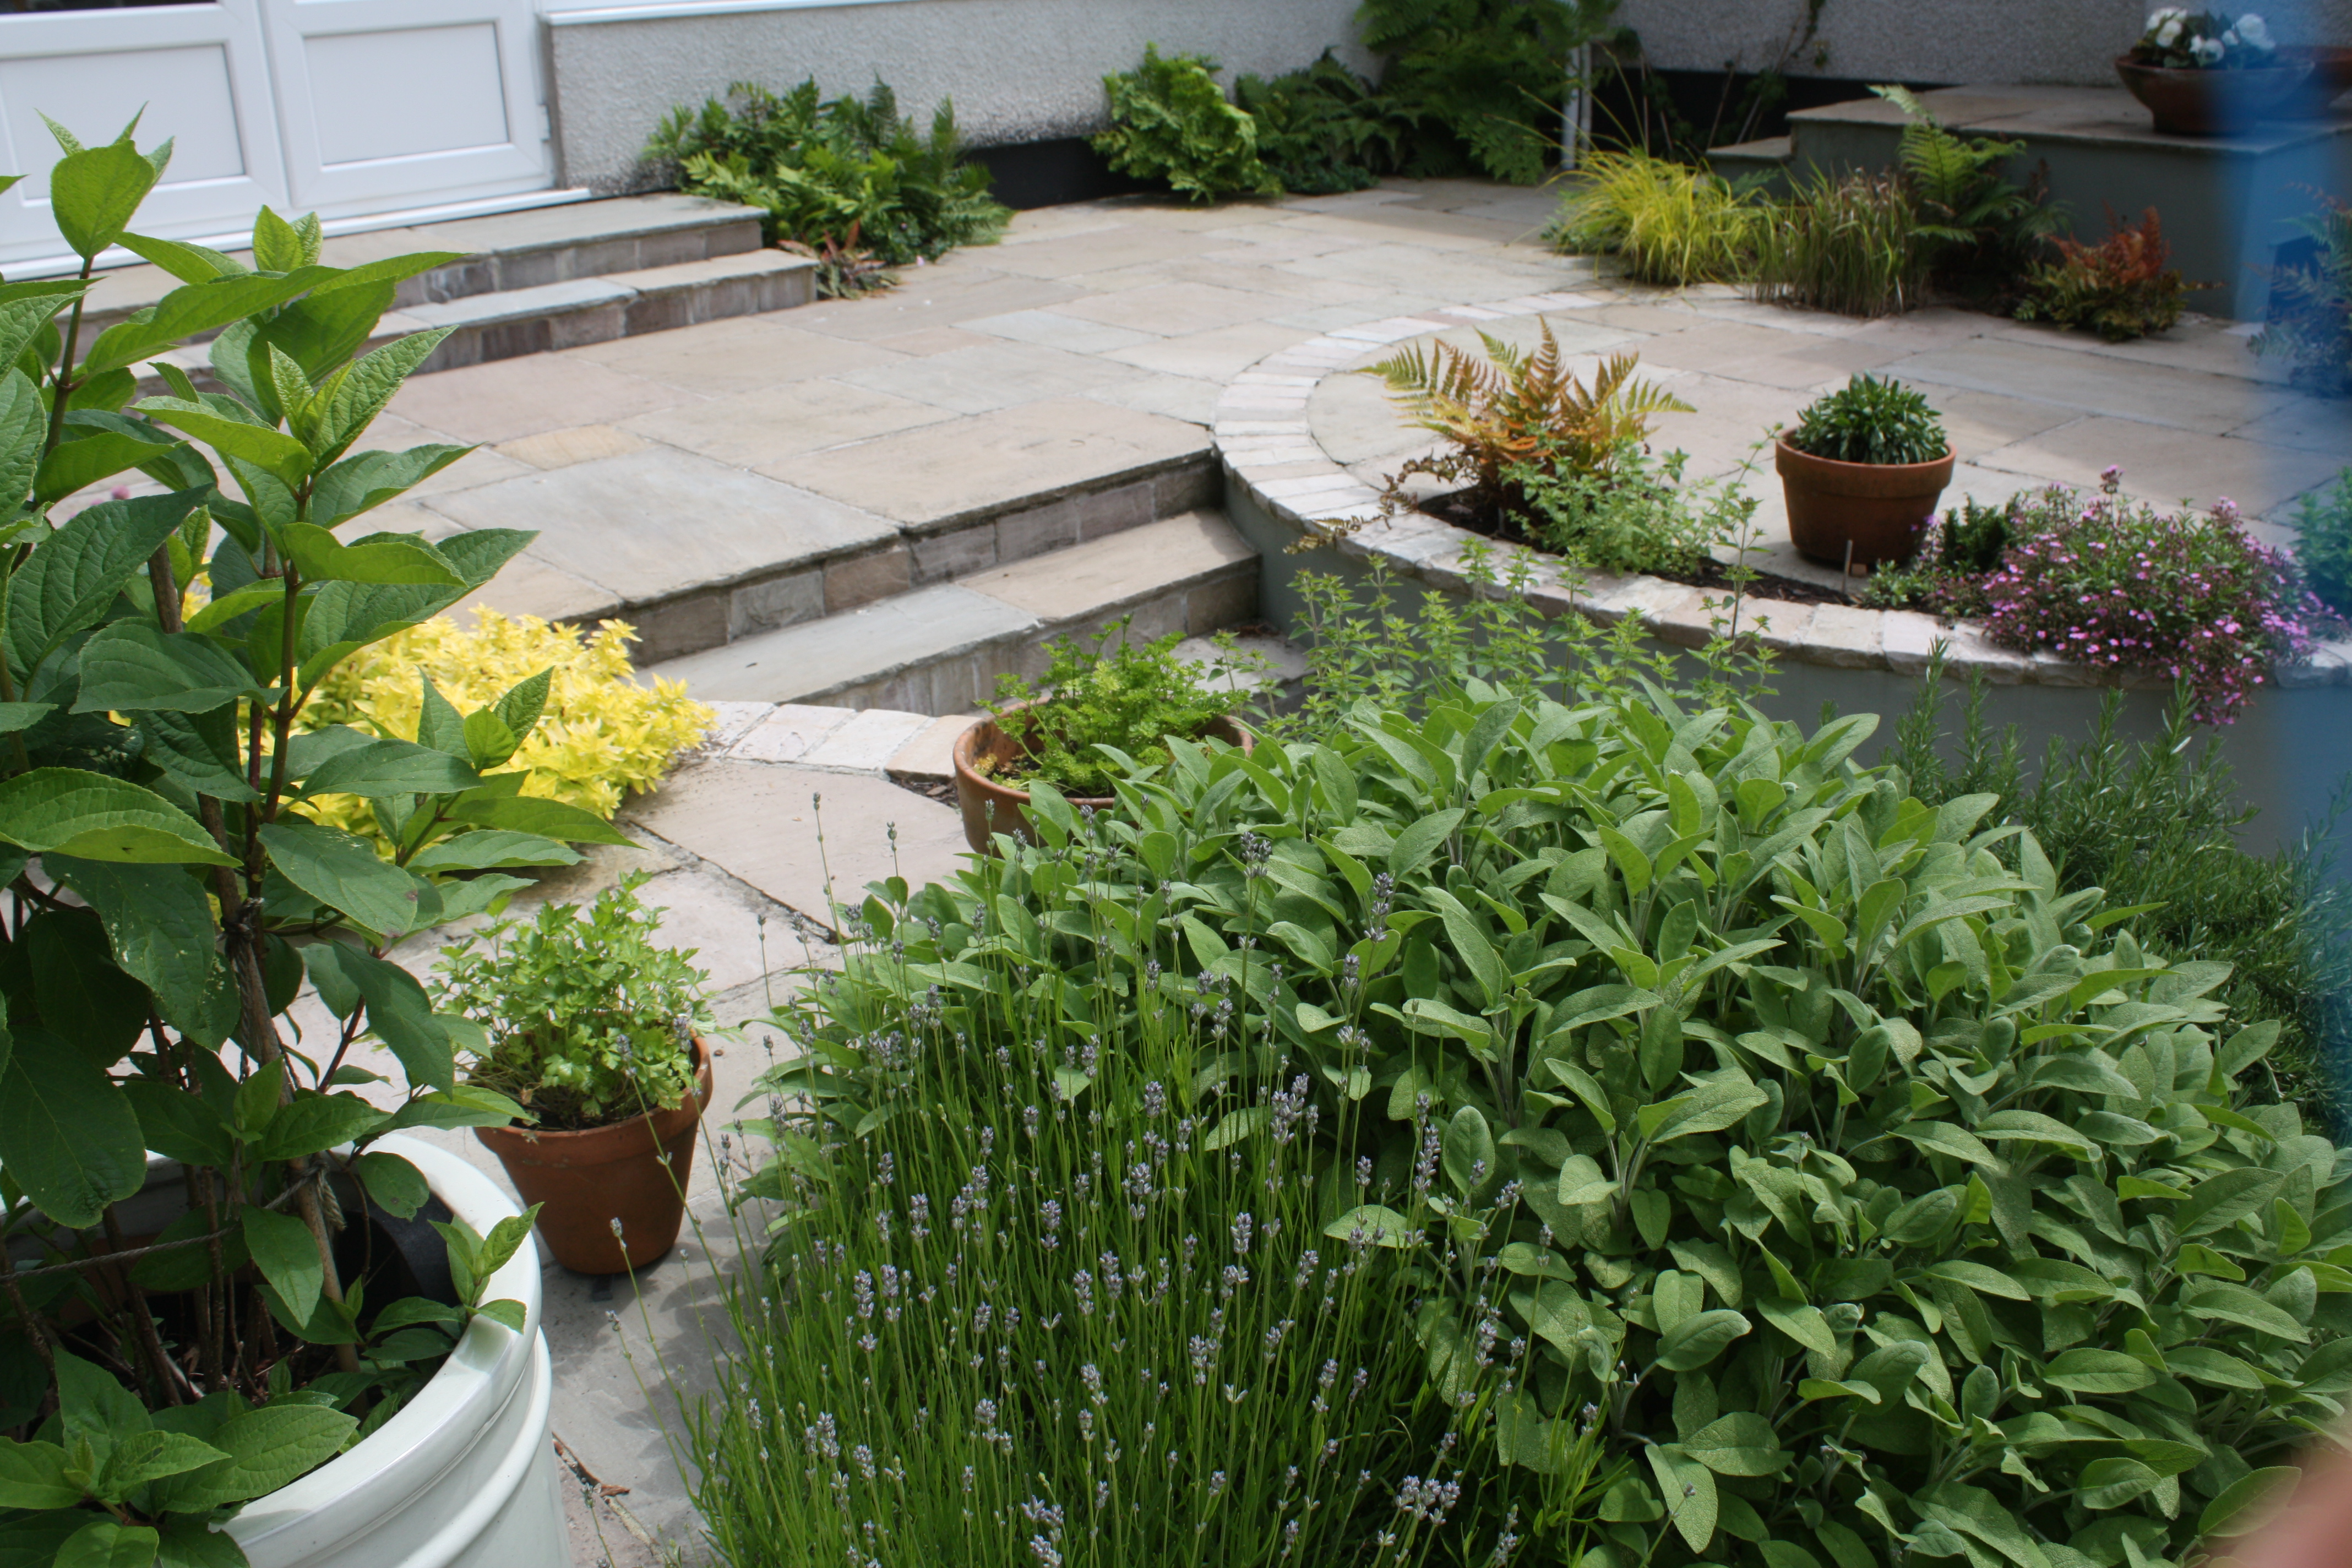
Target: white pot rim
[356,1492]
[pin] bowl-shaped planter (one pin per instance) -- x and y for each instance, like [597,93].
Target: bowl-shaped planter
[990,808]
[1879,510]
[2330,78]
[2216,103]
[463,1476]
[635,1172]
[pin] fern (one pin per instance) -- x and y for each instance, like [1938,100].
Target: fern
[1512,407]
[1481,81]
[1982,233]
[1170,121]
[1324,129]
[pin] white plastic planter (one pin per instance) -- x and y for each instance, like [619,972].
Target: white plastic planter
[464,1476]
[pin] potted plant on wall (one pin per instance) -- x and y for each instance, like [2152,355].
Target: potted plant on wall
[593,1027]
[2202,73]
[252,1349]
[1861,470]
[1100,710]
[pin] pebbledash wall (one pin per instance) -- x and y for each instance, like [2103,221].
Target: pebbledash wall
[1018,70]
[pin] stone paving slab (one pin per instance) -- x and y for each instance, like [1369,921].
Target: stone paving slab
[594,516]
[768,429]
[929,480]
[762,823]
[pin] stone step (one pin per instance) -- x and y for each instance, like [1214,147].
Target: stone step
[939,649]
[516,322]
[749,534]
[500,253]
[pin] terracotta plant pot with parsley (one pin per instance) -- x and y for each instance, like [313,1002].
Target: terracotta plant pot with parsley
[1109,694]
[592,1028]
[1861,471]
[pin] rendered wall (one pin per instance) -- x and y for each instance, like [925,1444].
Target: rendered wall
[1019,70]
[2068,42]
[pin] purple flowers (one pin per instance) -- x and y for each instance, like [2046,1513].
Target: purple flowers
[2120,585]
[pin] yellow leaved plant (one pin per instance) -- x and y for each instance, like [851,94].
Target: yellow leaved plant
[602,734]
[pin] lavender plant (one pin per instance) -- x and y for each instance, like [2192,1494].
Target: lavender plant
[1070,1298]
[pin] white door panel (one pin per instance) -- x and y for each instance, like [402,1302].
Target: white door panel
[406,103]
[200,74]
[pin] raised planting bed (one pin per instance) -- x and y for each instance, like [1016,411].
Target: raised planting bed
[2289,747]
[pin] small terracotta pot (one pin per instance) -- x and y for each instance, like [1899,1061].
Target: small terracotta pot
[2188,102]
[990,808]
[635,1171]
[1881,510]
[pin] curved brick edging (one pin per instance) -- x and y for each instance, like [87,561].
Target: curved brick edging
[1270,452]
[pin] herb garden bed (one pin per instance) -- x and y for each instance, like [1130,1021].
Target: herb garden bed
[2288,748]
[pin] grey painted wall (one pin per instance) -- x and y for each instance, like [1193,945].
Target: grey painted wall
[1019,70]
[2071,42]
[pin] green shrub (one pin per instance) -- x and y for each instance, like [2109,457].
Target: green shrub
[2323,546]
[1847,243]
[2155,825]
[842,174]
[1670,223]
[1641,517]
[583,1017]
[1481,81]
[1871,421]
[1947,576]
[1170,121]
[1102,706]
[1777,1173]
[1323,130]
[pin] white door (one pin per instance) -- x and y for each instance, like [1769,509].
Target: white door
[200,73]
[394,104]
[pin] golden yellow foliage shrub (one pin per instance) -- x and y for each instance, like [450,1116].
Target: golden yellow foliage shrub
[602,736]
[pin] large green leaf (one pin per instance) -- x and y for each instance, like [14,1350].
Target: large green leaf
[368,479]
[548,819]
[493,848]
[67,1137]
[380,558]
[178,1124]
[287,1256]
[1700,1338]
[94,191]
[344,873]
[72,577]
[198,749]
[391,767]
[266,1448]
[90,455]
[80,992]
[399,1012]
[272,451]
[22,424]
[107,1544]
[33,1475]
[23,316]
[68,812]
[188,263]
[160,923]
[193,310]
[310,1122]
[131,667]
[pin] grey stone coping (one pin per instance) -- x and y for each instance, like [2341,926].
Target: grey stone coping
[1270,452]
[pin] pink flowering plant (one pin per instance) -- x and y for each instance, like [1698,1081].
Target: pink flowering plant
[2120,585]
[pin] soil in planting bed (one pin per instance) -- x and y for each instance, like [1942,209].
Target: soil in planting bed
[1712,575]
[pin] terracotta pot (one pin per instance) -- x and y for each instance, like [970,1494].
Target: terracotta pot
[991,808]
[2217,102]
[2330,78]
[635,1171]
[1879,508]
